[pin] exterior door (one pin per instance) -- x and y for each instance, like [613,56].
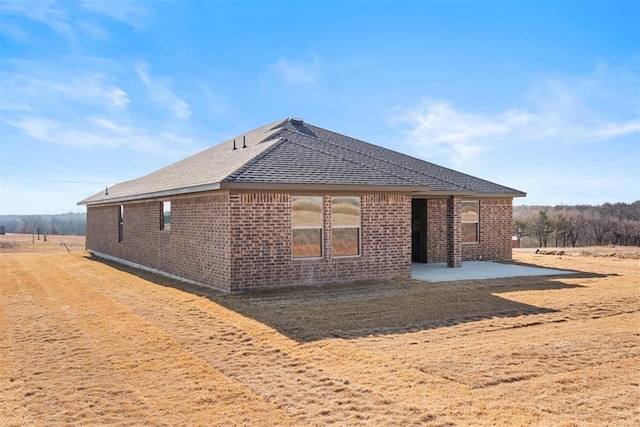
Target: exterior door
[419,230]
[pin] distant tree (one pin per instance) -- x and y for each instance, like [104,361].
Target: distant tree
[598,226]
[31,223]
[542,228]
[559,223]
[519,229]
[574,226]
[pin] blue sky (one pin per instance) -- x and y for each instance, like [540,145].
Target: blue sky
[541,96]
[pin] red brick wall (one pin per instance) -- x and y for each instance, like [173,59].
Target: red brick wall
[102,229]
[242,241]
[436,230]
[495,232]
[196,247]
[261,248]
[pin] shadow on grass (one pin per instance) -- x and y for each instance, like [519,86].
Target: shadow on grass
[373,307]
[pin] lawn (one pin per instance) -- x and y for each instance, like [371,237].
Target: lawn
[88,342]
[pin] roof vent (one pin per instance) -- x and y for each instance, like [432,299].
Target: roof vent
[296,121]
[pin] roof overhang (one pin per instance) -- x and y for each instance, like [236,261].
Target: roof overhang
[414,190]
[151,195]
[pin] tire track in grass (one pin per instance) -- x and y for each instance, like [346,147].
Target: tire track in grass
[12,412]
[324,383]
[63,380]
[173,386]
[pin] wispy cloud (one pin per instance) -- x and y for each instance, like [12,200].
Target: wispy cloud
[90,110]
[47,12]
[592,108]
[93,132]
[133,13]
[438,128]
[160,92]
[297,71]
[34,91]
[69,21]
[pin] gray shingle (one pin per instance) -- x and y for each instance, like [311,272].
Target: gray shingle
[292,152]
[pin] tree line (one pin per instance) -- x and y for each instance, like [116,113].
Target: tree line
[579,225]
[73,224]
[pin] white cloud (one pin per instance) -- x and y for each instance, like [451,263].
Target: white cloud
[162,95]
[297,71]
[132,13]
[46,12]
[30,89]
[435,126]
[56,104]
[69,21]
[561,110]
[92,132]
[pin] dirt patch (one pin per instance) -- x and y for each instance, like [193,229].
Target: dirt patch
[29,243]
[88,342]
[626,252]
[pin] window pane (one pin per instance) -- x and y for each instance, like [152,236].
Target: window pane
[166,215]
[470,211]
[469,232]
[345,241]
[345,211]
[306,211]
[307,243]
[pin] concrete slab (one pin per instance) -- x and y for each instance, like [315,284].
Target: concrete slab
[475,270]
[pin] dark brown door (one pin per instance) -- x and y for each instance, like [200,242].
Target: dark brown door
[419,230]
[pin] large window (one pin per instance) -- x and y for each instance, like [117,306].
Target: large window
[470,222]
[120,223]
[165,215]
[306,223]
[345,226]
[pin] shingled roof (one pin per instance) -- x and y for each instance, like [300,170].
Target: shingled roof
[291,154]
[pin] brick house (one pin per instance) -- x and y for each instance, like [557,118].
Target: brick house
[294,204]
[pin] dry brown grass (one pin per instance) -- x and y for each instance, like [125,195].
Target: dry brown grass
[86,343]
[30,243]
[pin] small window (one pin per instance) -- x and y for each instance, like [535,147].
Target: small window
[165,215]
[345,226]
[470,212]
[306,224]
[120,223]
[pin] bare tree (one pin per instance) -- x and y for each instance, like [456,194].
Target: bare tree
[598,225]
[30,224]
[542,228]
[575,224]
[519,229]
[558,221]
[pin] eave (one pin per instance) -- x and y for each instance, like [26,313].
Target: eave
[414,190]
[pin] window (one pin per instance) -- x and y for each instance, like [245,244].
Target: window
[470,222]
[165,215]
[345,226]
[120,223]
[306,224]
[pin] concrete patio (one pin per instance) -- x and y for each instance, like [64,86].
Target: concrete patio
[475,270]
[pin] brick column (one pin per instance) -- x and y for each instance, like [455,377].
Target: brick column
[454,232]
